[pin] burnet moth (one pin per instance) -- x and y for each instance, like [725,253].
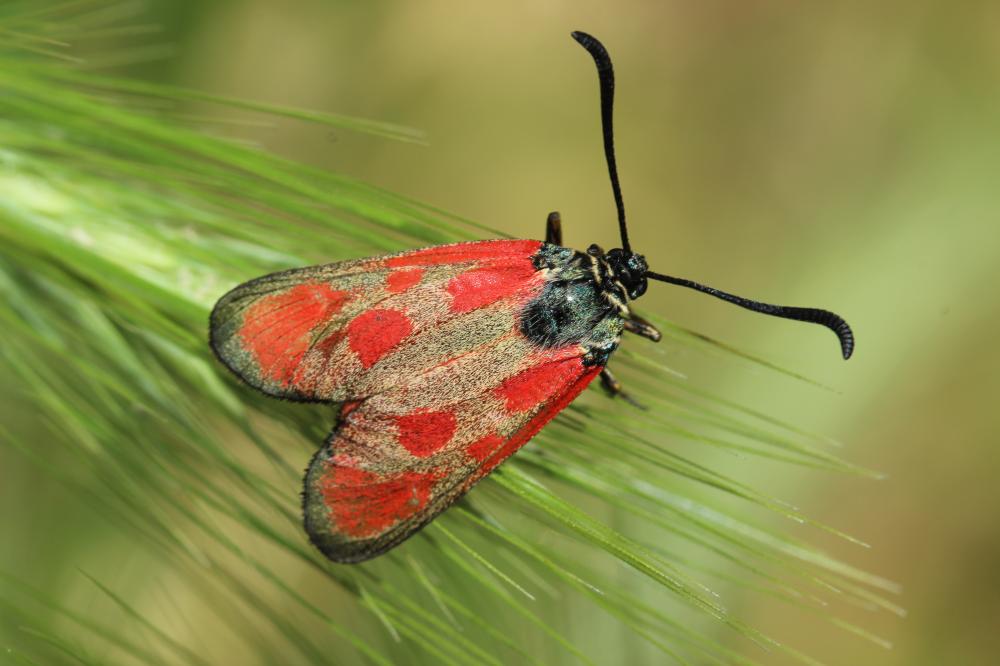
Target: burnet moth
[444,361]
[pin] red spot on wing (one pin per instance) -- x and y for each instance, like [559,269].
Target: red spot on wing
[451,254]
[373,333]
[482,286]
[363,504]
[400,281]
[538,383]
[425,432]
[482,448]
[556,404]
[277,329]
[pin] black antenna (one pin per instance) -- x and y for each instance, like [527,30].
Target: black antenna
[811,315]
[606,76]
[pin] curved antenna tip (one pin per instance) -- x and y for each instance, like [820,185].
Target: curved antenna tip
[832,321]
[846,336]
[594,47]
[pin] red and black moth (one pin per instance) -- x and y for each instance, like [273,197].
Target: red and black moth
[444,360]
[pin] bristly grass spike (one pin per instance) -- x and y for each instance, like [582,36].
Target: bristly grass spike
[444,361]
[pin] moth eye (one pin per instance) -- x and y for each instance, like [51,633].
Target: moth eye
[637,262]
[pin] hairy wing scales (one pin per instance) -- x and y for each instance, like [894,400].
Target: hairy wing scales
[290,334]
[457,253]
[415,449]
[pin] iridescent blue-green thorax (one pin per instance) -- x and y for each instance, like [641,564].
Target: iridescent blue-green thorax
[585,299]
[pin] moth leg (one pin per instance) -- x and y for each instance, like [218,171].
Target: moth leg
[553,229]
[614,388]
[639,326]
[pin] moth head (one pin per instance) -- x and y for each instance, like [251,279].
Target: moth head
[629,269]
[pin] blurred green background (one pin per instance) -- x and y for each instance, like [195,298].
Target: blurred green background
[840,155]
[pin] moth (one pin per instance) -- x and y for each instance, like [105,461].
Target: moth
[443,361]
